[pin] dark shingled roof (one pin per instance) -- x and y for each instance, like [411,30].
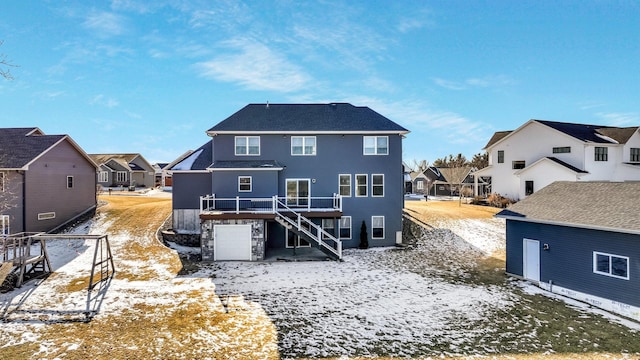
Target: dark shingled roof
[334,117]
[613,205]
[568,166]
[20,146]
[497,136]
[199,159]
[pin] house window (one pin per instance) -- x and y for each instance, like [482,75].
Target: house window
[377,227]
[247,145]
[2,181]
[517,164]
[634,155]
[328,225]
[103,176]
[528,187]
[345,185]
[46,216]
[361,185]
[4,225]
[345,227]
[500,156]
[69,182]
[600,153]
[420,185]
[562,150]
[377,185]
[303,145]
[611,265]
[244,183]
[376,145]
[121,176]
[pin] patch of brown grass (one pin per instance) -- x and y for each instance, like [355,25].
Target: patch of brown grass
[434,211]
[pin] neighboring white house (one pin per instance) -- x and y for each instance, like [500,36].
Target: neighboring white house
[540,152]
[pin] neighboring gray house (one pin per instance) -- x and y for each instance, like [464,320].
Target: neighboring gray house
[439,181]
[124,170]
[581,240]
[292,175]
[45,181]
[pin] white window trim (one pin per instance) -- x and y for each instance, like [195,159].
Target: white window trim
[4,225]
[383,227]
[124,176]
[419,185]
[47,215]
[304,142]
[595,265]
[250,183]
[375,140]
[333,223]
[247,146]
[103,176]
[372,185]
[72,182]
[366,186]
[350,228]
[340,185]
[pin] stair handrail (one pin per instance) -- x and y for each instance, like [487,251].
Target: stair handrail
[321,233]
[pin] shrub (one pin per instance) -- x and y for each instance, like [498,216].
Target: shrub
[364,236]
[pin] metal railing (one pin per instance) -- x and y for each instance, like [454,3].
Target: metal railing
[242,205]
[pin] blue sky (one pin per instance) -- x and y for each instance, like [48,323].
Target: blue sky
[152,76]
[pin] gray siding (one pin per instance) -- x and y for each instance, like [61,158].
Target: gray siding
[264,183]
[336,154]
[46,187]
[187,189]
[569,260]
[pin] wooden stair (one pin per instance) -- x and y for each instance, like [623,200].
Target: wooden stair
[5,270]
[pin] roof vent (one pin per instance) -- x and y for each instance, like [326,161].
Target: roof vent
[267,104]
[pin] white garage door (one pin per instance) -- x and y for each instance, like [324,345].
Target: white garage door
[232,242]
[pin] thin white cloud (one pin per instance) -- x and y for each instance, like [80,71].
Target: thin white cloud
[489,81]
[104,101]
[105,24]
[255,66]
[620,119]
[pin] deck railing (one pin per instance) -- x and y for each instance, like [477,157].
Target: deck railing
[242,205]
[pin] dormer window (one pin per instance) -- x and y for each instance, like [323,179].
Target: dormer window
[247,145]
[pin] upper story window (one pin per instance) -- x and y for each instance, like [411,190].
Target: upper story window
[611,265]
[500,156]
[244,183]
[361,185]
[518,164]
[344,184]
[562,149]
[634,155]
[69,182]
[303,145]
[247,145]
[376,145]
[600,154]
[377,185]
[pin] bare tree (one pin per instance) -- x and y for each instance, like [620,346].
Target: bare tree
[456,176]
[5,64]
[452,161]
[419,165]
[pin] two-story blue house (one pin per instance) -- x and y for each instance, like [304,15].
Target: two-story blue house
[292,175]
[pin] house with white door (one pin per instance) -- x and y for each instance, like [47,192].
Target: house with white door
[540,152]
[278,176]
[580,240]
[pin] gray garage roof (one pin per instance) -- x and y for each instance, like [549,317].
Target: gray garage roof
[282,118]
[611,205]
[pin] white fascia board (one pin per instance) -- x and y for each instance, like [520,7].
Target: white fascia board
[187,171]
[324,132]
[247,169]
[575,225]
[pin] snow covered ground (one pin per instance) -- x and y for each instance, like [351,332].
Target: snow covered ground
[423,300]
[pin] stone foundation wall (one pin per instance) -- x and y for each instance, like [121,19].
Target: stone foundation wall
[192,240]
[257,237]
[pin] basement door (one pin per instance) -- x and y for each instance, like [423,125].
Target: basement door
[531,259]
[231,242]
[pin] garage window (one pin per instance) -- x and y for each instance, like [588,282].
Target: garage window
[611,265]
